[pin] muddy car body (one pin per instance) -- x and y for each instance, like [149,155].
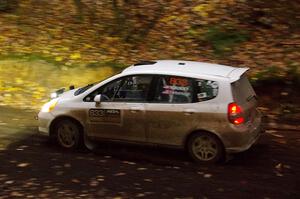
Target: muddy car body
[208,109]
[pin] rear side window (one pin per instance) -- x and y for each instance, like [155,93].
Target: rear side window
[242,90]
[206,89]
[173,89]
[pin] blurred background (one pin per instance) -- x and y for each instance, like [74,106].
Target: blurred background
[49,44]
[45,45]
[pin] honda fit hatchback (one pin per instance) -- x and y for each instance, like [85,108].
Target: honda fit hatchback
[207,109]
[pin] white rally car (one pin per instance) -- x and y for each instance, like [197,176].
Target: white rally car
[207,109]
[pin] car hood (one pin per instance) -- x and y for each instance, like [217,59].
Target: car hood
[68,94]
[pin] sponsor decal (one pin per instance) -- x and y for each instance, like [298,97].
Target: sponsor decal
[105,115]
[179,81]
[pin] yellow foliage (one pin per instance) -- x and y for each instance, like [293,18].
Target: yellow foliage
[2,38]
[75,56]
[35,80]
[65,48]
[203,9]
[46,52]
[59,58]
[19,80]
[169,18]
[88,46]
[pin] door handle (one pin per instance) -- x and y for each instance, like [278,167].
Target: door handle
[135,109]
[189,111]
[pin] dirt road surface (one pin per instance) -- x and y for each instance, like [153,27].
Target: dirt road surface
[30,167]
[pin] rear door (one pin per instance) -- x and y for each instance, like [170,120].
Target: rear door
[171,113]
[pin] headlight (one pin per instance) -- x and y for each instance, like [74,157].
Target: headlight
[49,106]
[57,93]
[53,95]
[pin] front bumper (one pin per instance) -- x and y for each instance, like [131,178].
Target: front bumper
[44,121]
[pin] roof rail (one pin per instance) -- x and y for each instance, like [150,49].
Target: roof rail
[145,63]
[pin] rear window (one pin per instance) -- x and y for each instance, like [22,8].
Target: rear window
[206,89]
[242,90]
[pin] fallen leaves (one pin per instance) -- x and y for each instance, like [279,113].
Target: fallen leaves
[120,174]
[74,180]
[205,175]
[9,182]
[94,183]
[279,169]
[23,164]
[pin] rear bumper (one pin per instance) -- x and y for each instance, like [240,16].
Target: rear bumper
[247,145]
[245,139]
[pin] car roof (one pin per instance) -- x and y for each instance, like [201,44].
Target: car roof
[180,67]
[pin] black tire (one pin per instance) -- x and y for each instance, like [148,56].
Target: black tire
[68,134]
[205,147]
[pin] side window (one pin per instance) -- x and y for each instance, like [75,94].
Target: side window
[206,89]
[172,89]
[109,90]
[134,89]
[127,89]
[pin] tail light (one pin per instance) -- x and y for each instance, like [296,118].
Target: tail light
[235,113]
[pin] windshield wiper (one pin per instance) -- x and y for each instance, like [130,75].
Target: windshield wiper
[83,89]
[251,97]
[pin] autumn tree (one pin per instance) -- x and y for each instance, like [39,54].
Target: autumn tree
[8,5]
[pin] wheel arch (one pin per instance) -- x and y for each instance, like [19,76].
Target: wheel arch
[63,117]
[187,138]
[220,156]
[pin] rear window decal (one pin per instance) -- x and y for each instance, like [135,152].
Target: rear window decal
[179,81]
[178,88]
[174,90]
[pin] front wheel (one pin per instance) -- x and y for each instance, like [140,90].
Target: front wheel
[68,134]
[205,147]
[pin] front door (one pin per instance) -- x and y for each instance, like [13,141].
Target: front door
[121,114]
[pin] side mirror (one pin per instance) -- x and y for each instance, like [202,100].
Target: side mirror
[97,99]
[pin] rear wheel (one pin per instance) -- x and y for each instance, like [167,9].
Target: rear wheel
[205,147]
[68,134]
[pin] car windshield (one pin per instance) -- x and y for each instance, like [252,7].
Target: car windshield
[84,88]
